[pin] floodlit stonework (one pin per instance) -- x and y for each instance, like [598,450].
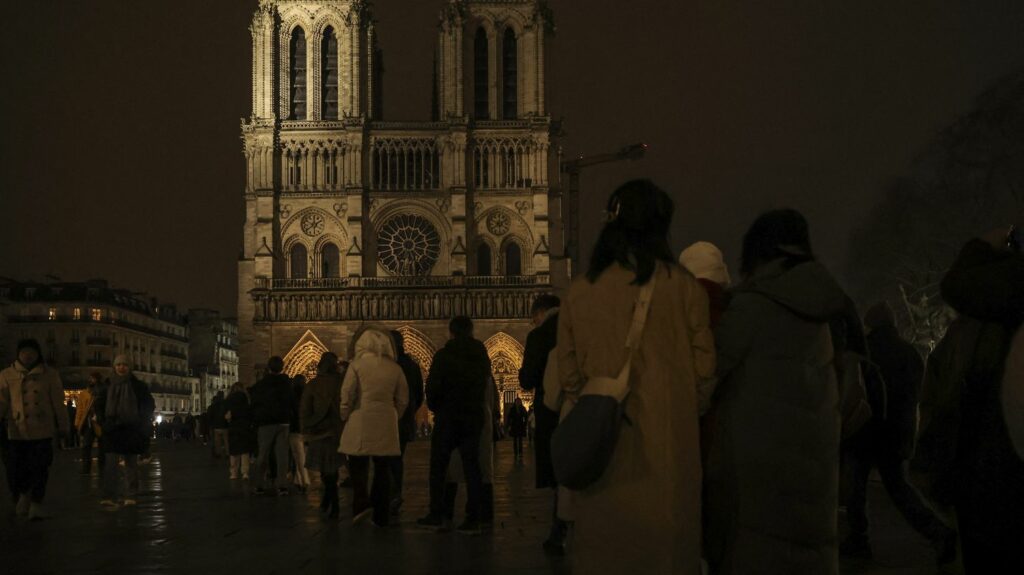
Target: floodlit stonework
[353,219]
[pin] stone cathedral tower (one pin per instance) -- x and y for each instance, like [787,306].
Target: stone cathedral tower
[353,219]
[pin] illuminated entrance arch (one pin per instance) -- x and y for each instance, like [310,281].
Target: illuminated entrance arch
[304,356]
[419,347]
[506,358]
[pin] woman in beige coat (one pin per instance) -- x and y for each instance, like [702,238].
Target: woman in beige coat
[373,397]
[643,515]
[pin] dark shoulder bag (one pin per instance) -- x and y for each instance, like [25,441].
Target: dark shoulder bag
[584,441]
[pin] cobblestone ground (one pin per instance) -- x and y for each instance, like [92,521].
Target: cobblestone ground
[192,519]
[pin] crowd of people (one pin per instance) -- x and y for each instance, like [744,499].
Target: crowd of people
[753,412]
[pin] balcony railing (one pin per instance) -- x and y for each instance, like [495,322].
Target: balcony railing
[176,372]
[402,282]
[105,321]
[170,353]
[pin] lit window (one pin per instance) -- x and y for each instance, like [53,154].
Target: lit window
[52,315]
[97,314]
[78,313]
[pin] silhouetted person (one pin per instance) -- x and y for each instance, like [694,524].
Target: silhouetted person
[456,393]
[407,423]
[887,443]
[85,421]
[271,399]
[241,433]
[967,434]
[515,421]
[218,425]
[320,419]
[296,442]
[539,344]
[772,475]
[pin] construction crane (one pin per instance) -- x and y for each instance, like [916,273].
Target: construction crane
[572,169]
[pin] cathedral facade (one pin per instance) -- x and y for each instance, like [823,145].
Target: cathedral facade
[351,219]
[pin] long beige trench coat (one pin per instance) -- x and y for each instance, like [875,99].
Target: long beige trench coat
[643,515]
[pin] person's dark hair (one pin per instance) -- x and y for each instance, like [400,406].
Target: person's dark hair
[636,234]
[275,364]
[545,302]
[328,363]
[299,379]
[461,326]
[778,234]
[97,377]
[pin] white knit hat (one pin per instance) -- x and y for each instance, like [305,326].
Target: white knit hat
[704,260]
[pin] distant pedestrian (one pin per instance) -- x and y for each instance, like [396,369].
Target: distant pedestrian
[124,411]
[456,387]
[296,442]
[87,423]
[407,422]
[218,426]
[241,433]
[515,422]
[539,345]
[320,421]
[271,411]
[72,439]
[772,476]
[32,402]
[373,397]
[973,430]
[887,442]
[643,514]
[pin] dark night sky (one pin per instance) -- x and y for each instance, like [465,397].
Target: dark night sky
[121,153]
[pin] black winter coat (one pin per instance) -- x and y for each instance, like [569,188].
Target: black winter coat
[985,286]
[539,343]
[271,399]
[457,380]
[902,370]
[414,379]
[241,433]
[216,414]
[126,439]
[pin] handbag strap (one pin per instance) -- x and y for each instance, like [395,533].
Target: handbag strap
[636,328]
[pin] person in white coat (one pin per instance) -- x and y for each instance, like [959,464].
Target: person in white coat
[373,397]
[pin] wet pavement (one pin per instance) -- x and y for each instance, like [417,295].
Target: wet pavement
[192,519]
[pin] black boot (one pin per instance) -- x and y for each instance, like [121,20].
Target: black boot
[487,505]
[451,491]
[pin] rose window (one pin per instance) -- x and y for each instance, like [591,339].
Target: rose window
[408,245]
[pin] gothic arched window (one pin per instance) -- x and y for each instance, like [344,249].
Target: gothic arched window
[510,75]
[481,95]
[298,260]
[297,74]
[513,260]
[329,74]
[330,261]
[483,259]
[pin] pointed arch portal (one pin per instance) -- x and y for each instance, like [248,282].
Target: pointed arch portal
[506,358]
[304,356]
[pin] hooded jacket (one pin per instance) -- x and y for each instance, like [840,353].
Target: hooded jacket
[32,401]
[772,475]
[373,396]
[458,377]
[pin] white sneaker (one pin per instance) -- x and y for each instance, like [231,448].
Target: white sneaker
[36,512]
[234,475]
[109,503]
[128,502]
[245,476]
[24,502]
